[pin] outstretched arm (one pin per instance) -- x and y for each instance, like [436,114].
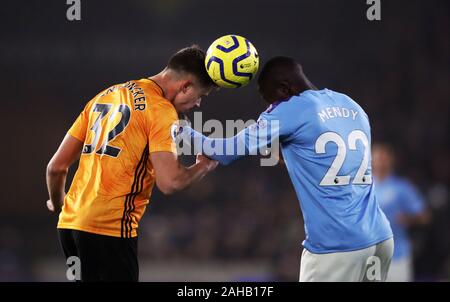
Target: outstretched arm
[249,141]
[223,150]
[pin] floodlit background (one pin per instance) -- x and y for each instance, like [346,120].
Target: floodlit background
[242,222]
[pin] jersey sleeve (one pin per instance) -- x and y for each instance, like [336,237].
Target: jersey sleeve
[255,139]
[283,118]
[273,126]
[79,127]
[223,150]
[160,138]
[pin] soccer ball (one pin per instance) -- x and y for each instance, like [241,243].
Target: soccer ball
[231,61]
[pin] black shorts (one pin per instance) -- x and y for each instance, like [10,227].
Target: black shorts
[102,258]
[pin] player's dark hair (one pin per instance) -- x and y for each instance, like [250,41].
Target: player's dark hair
[191,60]
[277,65]
[280,69]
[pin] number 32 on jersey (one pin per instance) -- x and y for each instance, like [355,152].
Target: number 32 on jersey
[115,124]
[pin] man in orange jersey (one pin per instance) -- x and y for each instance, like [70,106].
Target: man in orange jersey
[124,139]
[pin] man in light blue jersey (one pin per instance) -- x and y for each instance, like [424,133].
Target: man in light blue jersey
[404,207]
[325,142]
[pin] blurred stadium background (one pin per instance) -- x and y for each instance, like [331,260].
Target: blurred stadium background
[242,222]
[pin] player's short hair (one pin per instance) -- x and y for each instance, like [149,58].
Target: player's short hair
[191,60]
[275,68]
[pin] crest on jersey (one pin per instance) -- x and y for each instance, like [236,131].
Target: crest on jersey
[175,130]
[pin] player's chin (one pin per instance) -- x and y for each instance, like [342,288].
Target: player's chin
[186,109]
[181,109]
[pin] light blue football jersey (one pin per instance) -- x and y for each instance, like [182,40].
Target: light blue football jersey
[325,141]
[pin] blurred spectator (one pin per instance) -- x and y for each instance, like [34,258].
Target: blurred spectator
[403,206]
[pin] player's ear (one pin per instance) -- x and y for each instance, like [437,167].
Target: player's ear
[185,85]
[284,90]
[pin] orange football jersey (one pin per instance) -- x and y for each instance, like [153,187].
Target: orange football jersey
[114,180]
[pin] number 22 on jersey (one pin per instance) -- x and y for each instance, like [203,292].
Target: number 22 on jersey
[332,178]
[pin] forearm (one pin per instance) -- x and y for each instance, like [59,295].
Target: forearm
[194,173]
[414,219]
[184,178]
[421,219]
[56,181]
[223,150]
[57,168]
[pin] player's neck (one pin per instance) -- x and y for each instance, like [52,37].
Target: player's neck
[307,85]
[159,80]
[304,86]
[168,85]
